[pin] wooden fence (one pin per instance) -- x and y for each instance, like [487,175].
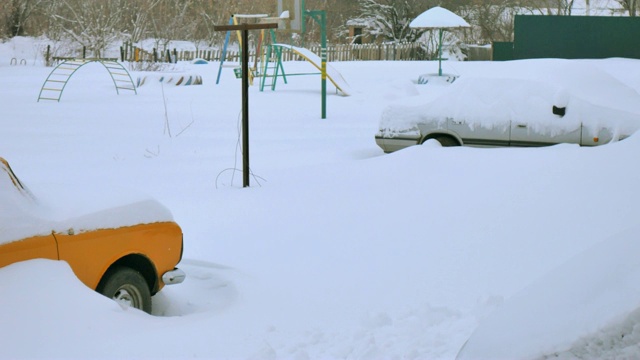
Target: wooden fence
[354,52]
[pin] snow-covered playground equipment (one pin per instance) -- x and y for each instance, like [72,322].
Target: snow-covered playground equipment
[57,80]
[332,74]
[438,18]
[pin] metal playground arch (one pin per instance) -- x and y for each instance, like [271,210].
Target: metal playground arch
[54,85]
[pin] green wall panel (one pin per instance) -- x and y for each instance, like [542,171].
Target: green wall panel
[502,51]
[576,37]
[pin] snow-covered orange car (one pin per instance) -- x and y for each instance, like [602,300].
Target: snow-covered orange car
[124,246]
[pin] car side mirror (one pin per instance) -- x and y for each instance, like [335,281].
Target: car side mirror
[559,110]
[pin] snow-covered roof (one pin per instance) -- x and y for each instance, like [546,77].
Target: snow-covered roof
[438,18]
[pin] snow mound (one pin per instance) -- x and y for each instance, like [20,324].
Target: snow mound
[544,318]
[33,279]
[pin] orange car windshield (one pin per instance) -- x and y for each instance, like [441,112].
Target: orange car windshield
[7,173]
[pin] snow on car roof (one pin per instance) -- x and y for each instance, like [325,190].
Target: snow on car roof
[58,208]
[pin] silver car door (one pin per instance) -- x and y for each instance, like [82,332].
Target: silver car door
[545,125]
[476,134]
[528,134]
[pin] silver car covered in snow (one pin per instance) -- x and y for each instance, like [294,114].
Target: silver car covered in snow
[477,111]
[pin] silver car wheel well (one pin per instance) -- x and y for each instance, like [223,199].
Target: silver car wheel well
[443,138]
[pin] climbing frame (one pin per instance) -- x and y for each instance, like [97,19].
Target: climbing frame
[57,80]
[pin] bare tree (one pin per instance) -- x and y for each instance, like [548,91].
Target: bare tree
[558,7]
[98,23]
[171,22]
[338,13]
[207,16]
[137,18]
[94,24]
[16,13]
[390,19]
[207,13]
[630,5]
[490,20]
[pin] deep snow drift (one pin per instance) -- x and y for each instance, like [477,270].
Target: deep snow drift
[336,250]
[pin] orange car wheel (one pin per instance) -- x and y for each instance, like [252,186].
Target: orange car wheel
[127,286]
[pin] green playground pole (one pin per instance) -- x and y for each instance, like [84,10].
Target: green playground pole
[323,25]
[320,16]
[303,26]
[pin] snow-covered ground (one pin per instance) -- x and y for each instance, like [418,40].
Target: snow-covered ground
[336,251]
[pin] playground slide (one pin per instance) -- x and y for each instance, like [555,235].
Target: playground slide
[332,74]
